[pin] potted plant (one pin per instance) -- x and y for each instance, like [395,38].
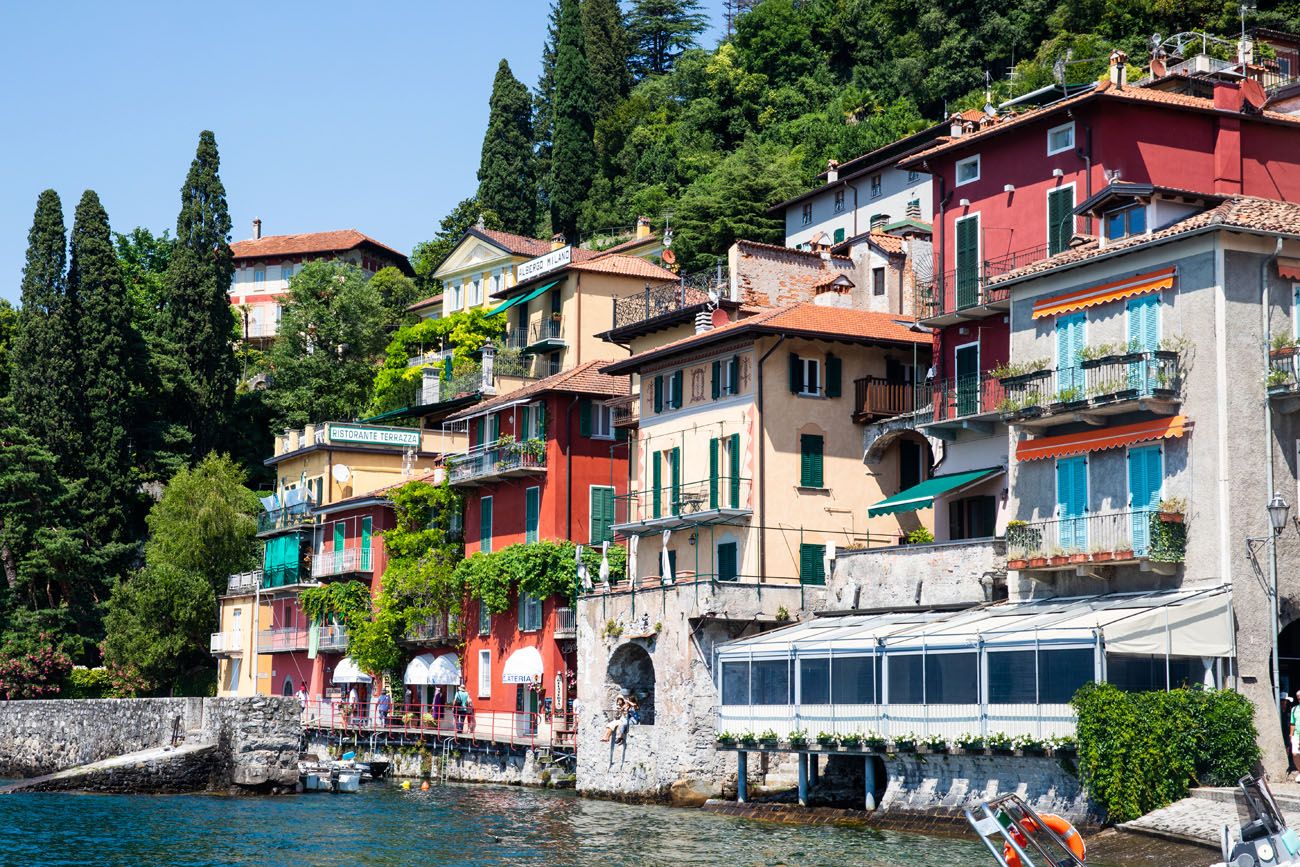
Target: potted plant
[1058,558]
[1064,744]
[998,742]
[1096,356]
[797,738]
[934,744]
[826,740]
[1029,745]
[1037,560]
[1101,555]
[1131,353]
[768,738]
[905,743]
[851,741]
[1171,510]
[1277,379]
[968,742]
[874,742]
[747,739]
[1017,563]
[1025,371]
[1282,346]
[1123,553]
[726,739]
[1077,557]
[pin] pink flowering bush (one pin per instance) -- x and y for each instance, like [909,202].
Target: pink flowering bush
[39,673]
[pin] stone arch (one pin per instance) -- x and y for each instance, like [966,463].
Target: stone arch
[630,667]
[885,435]
[288,686]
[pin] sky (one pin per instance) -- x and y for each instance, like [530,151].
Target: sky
[328,115]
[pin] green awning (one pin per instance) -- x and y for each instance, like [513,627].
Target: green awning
[922,496]
[521,299]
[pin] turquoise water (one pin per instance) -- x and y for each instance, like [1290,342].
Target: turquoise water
[448,825]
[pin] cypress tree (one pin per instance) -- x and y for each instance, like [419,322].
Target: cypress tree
[544,112]
[607,53]
[573,152]
[506,178]
[198,322]
[111,351]
[44,377]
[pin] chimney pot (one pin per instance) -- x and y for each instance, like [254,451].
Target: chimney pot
[257,228]
[832,171]
[1118,71]
[642,227]
[557,240]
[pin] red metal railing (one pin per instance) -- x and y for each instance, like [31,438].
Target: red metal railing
[488,726]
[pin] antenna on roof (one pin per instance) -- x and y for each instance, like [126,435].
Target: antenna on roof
[988,95]
[1058,69]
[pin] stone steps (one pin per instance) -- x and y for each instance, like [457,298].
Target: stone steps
[1200,817]
[159,769]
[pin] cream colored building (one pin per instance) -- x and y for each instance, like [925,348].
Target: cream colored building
[747,459]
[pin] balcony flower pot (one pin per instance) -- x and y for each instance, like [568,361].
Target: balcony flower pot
[1124,554]
[1017,564]
[1102,556]
[1019,378]
[1282,352]
[1078,558]
[1037,562]
[1059,560]
[1130,358]
[1170,517]
[1090,363]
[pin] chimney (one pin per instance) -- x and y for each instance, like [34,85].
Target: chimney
[703,321]
[1118,73]
[642,227]
[914,209]
[955,126]
[257,228]
[1228,95]
[832,171]
[557,240]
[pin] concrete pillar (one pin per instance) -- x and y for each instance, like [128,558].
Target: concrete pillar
[742,777]
[813,761]
[869,774]
[803,778]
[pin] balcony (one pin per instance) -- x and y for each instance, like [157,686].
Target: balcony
[565,624]
[961,403]
[1283,381]
[1097,388]
[713,501]
[625,411]
[1097,541]
[876,398]
[333,638]
[444,629]
[948,298]
[504,458]
[226,643]
[289,518]
[349,561]
[282,640]
[665,303]
[243,582]
[289,577]
[545,336]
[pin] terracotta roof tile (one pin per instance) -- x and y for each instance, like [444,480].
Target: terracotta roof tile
[777,248]
[307,242]
[586,378]
[805,320]
[520,245]
[623,266]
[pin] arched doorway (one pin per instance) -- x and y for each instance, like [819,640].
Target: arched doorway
[288,686]
[631,668]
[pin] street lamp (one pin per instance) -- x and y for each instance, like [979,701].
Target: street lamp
[1278,510]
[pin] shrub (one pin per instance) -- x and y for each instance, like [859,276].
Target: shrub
[1141,751]
[88,683]
[920,536]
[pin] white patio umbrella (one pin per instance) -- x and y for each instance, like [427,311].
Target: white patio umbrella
[604,564]
[665,564]
[584,577]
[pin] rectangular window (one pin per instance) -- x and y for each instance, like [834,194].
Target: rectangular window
[1126,222]
[1072,504]
[735,683]
[485,674]
[232,670]
[810,382]
[854,680]
[728,568]
[530,613]
[875,187]
[839,201]
[770,681]
[913,175]
[602,514]
[455,296]
[532,512]
[877,281]
[286,273]
[972,518]
[259,275]
[1136,673]
[484,619]
[1060,138]
[811,447]
[814,681]
[807,213]
[812,563]
[952,678]
[904,677]
[1060,219]
[968,170]
[485,525]
[602,422]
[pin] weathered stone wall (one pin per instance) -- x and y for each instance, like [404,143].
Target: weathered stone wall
[942,573]
[257,737]
[498,764]
[953,782]
[188,768]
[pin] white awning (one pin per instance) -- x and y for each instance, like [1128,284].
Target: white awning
[1197,627]
[429,670]
[348,672]
[522,666]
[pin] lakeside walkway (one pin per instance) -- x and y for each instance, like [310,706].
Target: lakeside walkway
[1200,817]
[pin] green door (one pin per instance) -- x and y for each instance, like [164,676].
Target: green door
[367,528]
[968,253]
[967,380]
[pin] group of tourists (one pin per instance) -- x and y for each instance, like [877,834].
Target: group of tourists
[626,713]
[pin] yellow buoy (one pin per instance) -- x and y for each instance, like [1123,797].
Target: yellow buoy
[406,785]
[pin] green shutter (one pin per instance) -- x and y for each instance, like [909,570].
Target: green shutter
[717,379]
[968,251]
[584,417]
[367,530]
[839,236]
[494,429]
[679,379]
[733,384]
[833,365]
[713,472]
[656,481]
[810,455]
[1060,220]
[727,561]
[485,524]
[677,481]
[602,515]
[532,513]
[659,394]
[796,374]
[338,536]
[525,423]
[812,568]
[735,471]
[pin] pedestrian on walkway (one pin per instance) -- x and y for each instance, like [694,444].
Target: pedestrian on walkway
[460,707]
[384,706]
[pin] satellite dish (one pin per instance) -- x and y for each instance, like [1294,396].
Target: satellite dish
[341,473]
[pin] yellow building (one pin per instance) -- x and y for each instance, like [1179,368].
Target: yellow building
[319,465]
[747,460]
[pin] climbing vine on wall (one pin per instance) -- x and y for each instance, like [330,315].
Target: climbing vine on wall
[347,602]
[540,569]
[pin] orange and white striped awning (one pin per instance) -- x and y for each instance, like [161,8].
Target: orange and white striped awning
[1116,290]
[1102,438]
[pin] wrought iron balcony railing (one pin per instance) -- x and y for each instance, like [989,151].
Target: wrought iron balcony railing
[1097,537]
[444,628]
[685,502]
[345,562]
[665,298]
[565,624]
[966,288]
[501,458]
[333,637]
[1092,384]
[284,519]
[957,398]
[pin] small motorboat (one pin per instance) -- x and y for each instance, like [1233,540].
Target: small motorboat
[1264,840]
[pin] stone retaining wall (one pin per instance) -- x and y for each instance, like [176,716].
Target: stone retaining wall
[502,765]
[187,769]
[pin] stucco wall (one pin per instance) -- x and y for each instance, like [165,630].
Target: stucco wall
[941,573]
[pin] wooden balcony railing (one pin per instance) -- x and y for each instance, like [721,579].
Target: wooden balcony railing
[876,398]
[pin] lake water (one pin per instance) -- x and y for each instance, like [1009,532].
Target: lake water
[448,825]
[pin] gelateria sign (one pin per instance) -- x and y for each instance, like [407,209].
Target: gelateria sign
[542,264]
[375,436]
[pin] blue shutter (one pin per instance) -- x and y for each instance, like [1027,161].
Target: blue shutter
[532,513]
[1072,503]
[1069,343]
[1145,476]
[1143,315]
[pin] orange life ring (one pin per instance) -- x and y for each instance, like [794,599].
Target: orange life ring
[1063,829]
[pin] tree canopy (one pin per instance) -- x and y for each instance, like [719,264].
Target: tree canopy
[507,183]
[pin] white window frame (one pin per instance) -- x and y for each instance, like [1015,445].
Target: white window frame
[259,275]
[484,619]
[806,214]
[1068,146]
[877,186]
[813,365]
[456,294]
[975,160]
[670,396]
[286,273]
[602,422]
[729,388]
[485,674]
[839,201]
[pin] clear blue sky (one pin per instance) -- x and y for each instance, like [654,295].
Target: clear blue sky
[328,115]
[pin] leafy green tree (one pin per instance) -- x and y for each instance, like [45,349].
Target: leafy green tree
[198,323]
[44,376]
[428,255]
[660,30]
[607,53]
[396,293]
[330,336]
[421,580]
[573,150]
[464,332]
[507,183]
[144,258]
[111,351]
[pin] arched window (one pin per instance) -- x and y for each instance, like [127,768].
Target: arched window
[631,668]
[288,686]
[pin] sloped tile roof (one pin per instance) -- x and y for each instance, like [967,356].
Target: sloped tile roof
[520,245]
[622,266]
[802,320]
[586,378]
[307,242]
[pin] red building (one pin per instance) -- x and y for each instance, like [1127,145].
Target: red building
[546,462]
